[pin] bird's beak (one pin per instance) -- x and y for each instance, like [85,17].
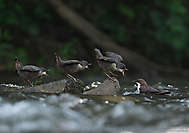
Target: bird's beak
[135,82]
[87,67]
[124,71]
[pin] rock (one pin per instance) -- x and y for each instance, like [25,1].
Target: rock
[106,91]
[55,87]
[107,88]
[74,87]
[52,87]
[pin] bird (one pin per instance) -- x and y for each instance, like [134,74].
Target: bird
[69,67]
[117,57]
[111,62]
[29,72]
[143,87]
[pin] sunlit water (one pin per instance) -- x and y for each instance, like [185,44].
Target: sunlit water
[37,113]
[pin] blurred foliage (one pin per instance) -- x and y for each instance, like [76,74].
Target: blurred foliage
[20,19]
[15,19]
[157,29]
[66,52]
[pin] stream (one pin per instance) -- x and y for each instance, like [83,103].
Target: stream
[42,113]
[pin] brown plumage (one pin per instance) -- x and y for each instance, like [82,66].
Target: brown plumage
[143,87]
[29,72]
[117,57]
[70,67]
[112,62]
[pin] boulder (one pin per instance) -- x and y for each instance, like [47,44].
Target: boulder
[55,87]
[107,88]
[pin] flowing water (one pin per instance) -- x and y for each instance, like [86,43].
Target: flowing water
[41,113]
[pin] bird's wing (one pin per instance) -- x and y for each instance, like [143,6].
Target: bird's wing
[71,62]
[148,89]
[153,90]
[31,68]
[114,55]
[107,59]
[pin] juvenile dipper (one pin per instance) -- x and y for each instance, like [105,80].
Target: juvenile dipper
[29,72]
[70,67]
[112,62]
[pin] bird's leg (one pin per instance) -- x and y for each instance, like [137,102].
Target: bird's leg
[25,83]
[29,83]
[109,76]
[70,76]
[115,75]
[76,76]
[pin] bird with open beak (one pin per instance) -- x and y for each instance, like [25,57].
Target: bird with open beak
[143,87]
[111,62]
[70,67]
[29,72]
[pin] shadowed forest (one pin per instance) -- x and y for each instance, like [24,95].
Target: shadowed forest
[152,36]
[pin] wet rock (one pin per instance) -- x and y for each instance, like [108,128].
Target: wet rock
[61,86]
[107,88]
[56,87]
[52,87]
[74,87]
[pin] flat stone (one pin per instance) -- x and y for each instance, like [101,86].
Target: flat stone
[52,87]
[55,87]
[107,88]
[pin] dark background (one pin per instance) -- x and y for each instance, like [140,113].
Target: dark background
[152,36]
